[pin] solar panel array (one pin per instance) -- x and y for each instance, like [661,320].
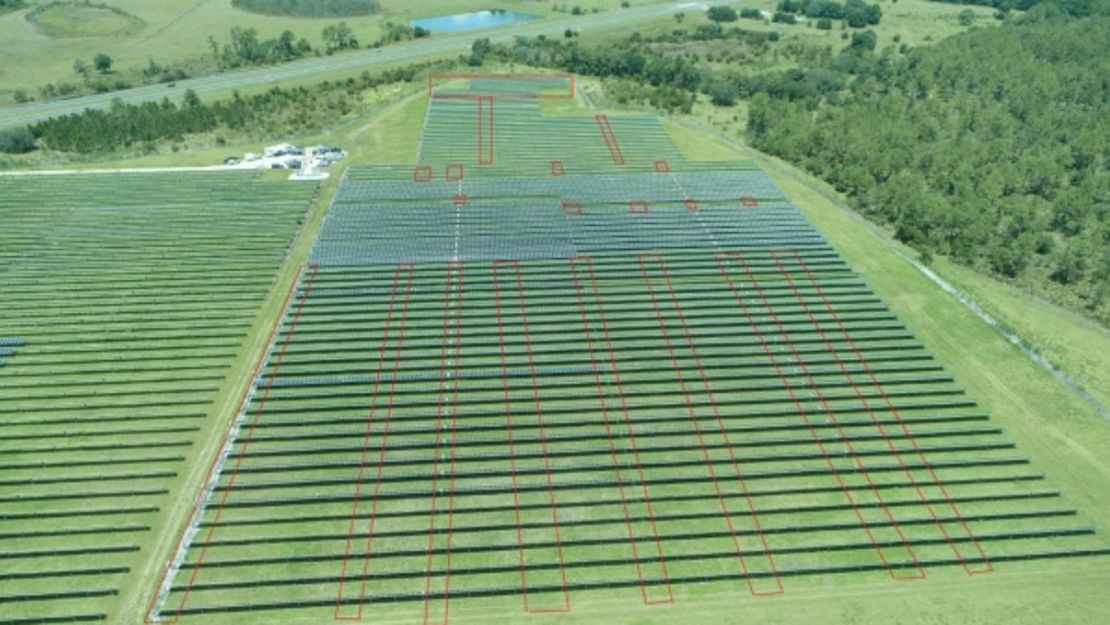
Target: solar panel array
[125,302]
[520,385]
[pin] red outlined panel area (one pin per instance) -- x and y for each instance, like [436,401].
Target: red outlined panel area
[455,173]
[538,533]
[637,207]
[557,169]
[572,207]
[733,263]
[422,173]
[350,596]
[757,564]
[609,136]
[790,261]
[441,519]
[632,485]
[484,130]
[533,86]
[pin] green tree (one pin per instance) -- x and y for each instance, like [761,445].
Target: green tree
[339,37]
[722,13]
[191,100]
[81,67]
[16,141]
[102,62]
[723,93]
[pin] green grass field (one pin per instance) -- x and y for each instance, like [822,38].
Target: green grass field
[33,55]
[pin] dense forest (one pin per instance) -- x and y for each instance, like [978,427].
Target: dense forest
[310,8]
[990,147]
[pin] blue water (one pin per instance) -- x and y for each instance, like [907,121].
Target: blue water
[463,22]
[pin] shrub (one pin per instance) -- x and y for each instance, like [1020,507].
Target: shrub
[16,141]
[721,14]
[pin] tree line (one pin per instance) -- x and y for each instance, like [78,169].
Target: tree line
[142,126]
[990,147]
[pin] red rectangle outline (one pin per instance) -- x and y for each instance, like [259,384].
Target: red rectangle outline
[615,372]
[422,173]
[570,78]
[572,207]
[697,426]
[637,207]
[890,406]
[557,169]
[662,167]
[459,172]
[382,445]
[543,438]
[812,383]
[690,203]
[484,128]
[610,138]
[452,308]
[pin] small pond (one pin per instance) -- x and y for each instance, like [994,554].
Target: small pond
[462,22]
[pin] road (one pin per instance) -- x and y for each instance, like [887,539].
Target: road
[363,59]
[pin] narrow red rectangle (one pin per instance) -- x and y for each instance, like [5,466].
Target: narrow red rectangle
[662,167]
[610,138]
[437,600]
[402,275]
[433,79]
[638,207]
[455,172]
[422,173]
[557,168]
[572,207]
[815,388]
[652,562]
[748,201]
[460,199]
[526,335]
[485,130]
[816,286]
[676,362]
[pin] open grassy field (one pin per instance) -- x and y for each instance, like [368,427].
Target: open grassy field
[42,50]
[913,22]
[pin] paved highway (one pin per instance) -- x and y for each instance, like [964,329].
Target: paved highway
[442,45]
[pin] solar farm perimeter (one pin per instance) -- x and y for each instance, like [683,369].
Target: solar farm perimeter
[552,360]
